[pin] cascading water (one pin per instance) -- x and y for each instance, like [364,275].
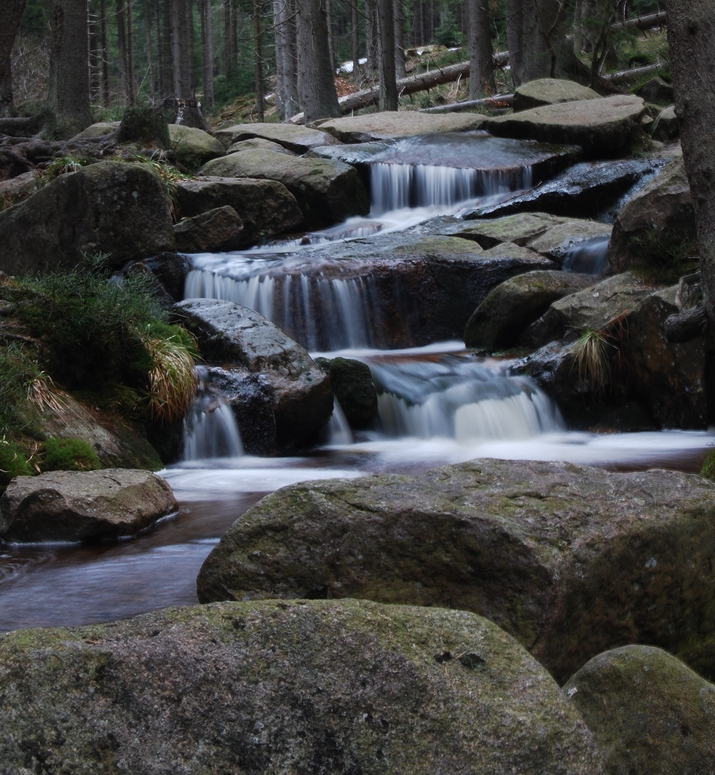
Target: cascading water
[210,429]
[588,257]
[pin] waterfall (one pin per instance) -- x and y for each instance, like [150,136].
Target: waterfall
[588,257]
[210,429]
[338,430]
[455,397]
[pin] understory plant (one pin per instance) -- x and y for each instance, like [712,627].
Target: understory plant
[69,455]
[592,352]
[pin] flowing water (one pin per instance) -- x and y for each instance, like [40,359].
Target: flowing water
[437,404]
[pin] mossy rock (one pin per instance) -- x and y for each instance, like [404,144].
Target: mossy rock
[648,712]
[193,147]
[144,125]
[354,389]
[300,687]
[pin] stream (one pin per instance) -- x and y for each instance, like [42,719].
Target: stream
[438,403]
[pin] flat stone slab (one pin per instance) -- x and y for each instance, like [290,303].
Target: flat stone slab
[380,126]
[598,126]
[571,560]
[83,505]
[647,710]
[519,229]
[562,238]
[298,139]
[550,91]
[277,687]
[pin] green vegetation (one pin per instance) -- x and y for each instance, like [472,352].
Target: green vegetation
[708,467]
[593,360]
[69,455]
[12,462]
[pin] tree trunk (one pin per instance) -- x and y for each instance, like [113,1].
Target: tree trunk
[399,11]
[286,79]
[122,41]
[12,14]
[258,58]
[69,74]
[691,35]
[388,86]
[532,30]
[94,56]
[131,79]
[149,56]
[481,64]
[355,39]
[207,56]
[316,83]
[105,54]
[371,35]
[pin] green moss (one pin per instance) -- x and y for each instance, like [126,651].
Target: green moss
[708,468]
[69,455]
[12,463]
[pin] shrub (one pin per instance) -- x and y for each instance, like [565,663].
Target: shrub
[708,469]
[12,462]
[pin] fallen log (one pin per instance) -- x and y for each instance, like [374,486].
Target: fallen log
[497,101]
[628,76]
[647,22]
[21,127]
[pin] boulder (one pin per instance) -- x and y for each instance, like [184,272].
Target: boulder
[83,505]
[599,126]
[669,377]
[648,712]
[213,231]
[192,146]
[108,208]
[258,144]
[589,189]
[571,560]
[655,229]
[326,191]
[550,91]
[565,238]
[588,310]
[512,306]
[656,91]
[266,207]
[354,389]
[298,139]
[101,129]
[666,126]
[169,269]
[229,333]
[306,687]
[18,189]
[381,126]
[519,229]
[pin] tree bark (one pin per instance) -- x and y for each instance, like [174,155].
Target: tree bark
[316,82]
[355,39]
[122,41]
[386,25]
[69,74]
[531,29]
[12,14]
[691,35]
[258,59]
[207,55]
[131,81]
[285,43]
[481,64]
[105,54]
[399,11]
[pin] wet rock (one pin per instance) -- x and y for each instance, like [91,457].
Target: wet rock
[213,231]
[589,189]
[83,505]
[354,389]
[656,91]
[101,129]
[669,377]
[647,710]
[655,229]
[326,191]
[587,310]
[298,139]
[381,126]
[307,687]
[112,208]
[229,333]
[599,126]
[192,146]
[666,126]
[550,91]
[571,560]
[512,306]
[252,398]
[519,229]
[266,207]
[169,269]
[258,144]
[559,242]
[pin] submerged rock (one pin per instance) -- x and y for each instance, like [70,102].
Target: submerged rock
[354,389]
[215,230]
[599,126]
[648,712]
[571,560]
[500,319]
[326,191]
[298,139]
[83,505]
[550,91]
[266,207]
[307,687]
[229,333]
[108,208]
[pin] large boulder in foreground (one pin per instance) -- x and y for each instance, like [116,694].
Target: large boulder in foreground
[83,505]
[648,712]
[229,333]
[550,91]
[326,191]
[110,208]
[512,306]
[571,560]
[307,687]
[598,126]
[266,207]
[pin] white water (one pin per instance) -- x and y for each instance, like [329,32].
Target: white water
[588,257]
